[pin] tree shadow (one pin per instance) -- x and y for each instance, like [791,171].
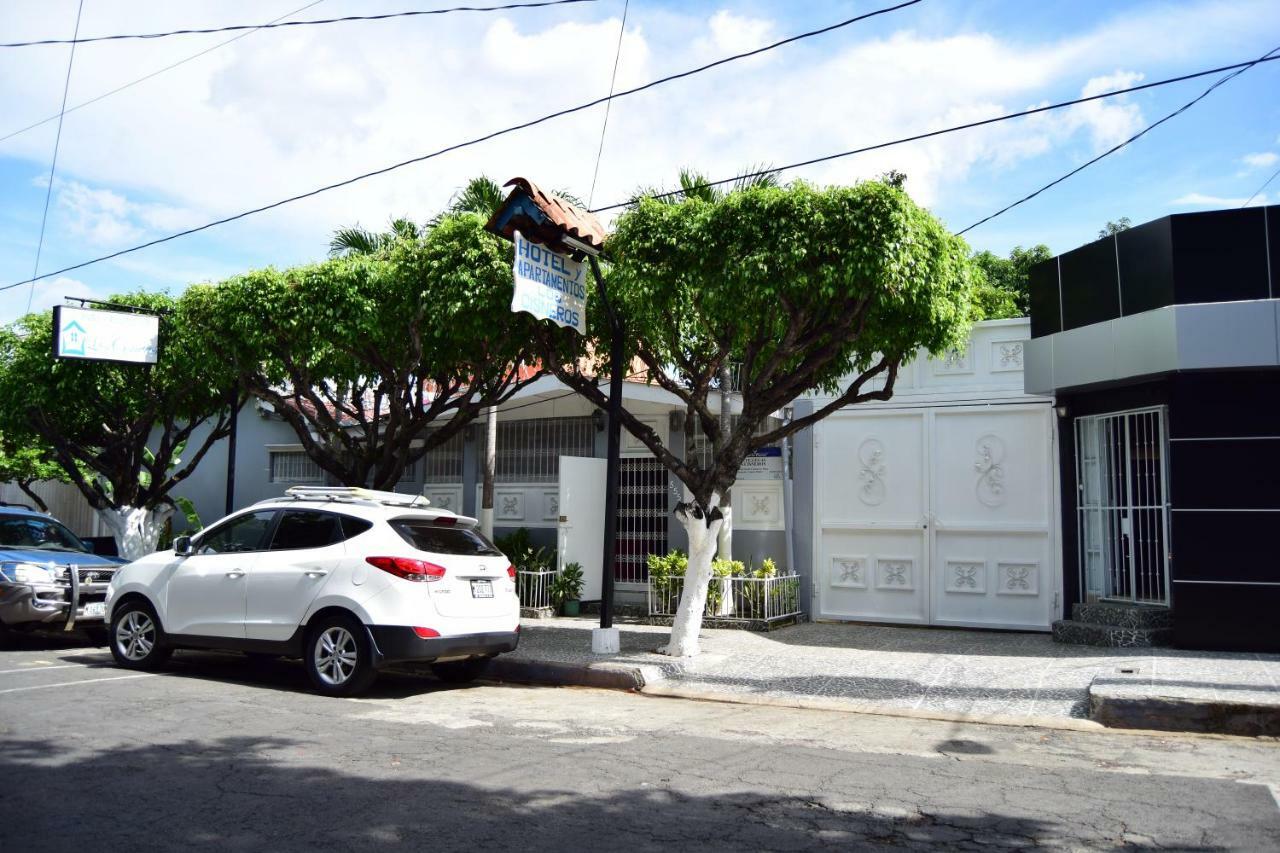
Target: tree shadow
[270,793]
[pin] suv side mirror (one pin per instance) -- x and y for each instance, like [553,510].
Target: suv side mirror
[182,546]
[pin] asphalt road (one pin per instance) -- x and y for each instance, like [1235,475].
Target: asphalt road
[222,754]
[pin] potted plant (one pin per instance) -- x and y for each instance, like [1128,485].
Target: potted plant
[567,588]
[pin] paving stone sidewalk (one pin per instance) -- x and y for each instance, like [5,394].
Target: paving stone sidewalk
[924,670]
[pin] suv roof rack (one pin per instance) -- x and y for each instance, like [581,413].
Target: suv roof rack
[354,494]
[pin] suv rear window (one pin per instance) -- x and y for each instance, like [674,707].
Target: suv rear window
[442,539]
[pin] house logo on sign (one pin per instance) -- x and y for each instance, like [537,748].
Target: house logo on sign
[73,339]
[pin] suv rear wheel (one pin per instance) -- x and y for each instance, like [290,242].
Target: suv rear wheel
[338,656]
[136,639]
[460,671]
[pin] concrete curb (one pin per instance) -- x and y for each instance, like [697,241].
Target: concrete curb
[609,676]
[1122,709]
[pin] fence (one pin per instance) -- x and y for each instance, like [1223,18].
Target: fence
[534,589]
[741,600]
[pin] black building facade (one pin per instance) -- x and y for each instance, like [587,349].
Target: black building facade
[1161,345]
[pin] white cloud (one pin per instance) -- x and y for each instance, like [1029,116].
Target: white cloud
[1203,200]
[1261,160]
[282,112]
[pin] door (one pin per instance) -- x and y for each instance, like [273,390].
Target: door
[306,549]
[938,515]
[1123,506]
[208,590]
[581,525]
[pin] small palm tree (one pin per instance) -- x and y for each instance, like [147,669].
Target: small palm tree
[362,241]
[695,185]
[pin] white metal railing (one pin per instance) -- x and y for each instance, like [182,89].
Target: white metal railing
[534,588]
[733,599]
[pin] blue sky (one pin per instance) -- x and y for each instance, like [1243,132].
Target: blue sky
[281,112]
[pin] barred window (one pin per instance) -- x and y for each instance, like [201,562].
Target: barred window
[293,466]
[529,451]
[443,464]
[698,447]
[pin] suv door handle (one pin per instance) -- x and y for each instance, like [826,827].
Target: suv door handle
[315,573]
[235,573]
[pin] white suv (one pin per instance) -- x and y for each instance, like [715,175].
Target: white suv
[350,580]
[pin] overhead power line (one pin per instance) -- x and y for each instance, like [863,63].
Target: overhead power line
[469,143]
[155,73]
[943,131]
[53,163]
[1078,169]
[613,79]
[270,25]
[1265,184]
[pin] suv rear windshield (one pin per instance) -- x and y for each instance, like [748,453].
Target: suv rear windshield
[441,539]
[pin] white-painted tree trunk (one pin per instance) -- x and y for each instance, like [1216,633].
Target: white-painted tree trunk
[724,540]
[135,529]
[697,578]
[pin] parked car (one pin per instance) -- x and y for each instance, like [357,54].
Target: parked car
[49,578]
[348,580]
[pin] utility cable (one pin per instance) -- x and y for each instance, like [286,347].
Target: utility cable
[1078,169]
[613,79]
[53,163]
[1265,184]
[471,142]
[155,73]
[941,132]
[276,24]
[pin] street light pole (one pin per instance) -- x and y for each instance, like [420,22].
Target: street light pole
[606,640]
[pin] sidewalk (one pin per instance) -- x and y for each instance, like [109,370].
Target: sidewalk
[951,674]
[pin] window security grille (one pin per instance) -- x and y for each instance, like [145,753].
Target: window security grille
[1122,477]
[293,466]
[443,464]
[699,446]
[529,451]
[643,516]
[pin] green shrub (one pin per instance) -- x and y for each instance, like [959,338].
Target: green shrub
[567,586]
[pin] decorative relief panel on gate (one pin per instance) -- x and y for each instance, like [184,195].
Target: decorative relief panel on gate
[1018,578]
[1006,356]
[550,506]
[849,572]
[990,467]
[895,573]
[508,506]
[966,576]
[871,472]
[954,362]
[444,500]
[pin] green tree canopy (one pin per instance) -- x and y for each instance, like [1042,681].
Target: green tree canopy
[999,276]
[376,359]
[805,288]
[26,463]
[118,431]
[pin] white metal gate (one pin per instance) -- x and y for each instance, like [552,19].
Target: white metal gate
[1123,505]
[942,514]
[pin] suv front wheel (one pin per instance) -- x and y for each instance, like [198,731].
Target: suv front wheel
[135,637]
[338,657]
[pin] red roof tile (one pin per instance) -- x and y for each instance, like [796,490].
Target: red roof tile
[572,219]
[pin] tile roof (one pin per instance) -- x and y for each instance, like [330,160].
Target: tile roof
[563,214]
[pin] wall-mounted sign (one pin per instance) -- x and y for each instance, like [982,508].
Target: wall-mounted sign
[763,464]
[549,285]
[105,335]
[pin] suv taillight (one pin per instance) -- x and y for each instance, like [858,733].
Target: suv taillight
[408,568]
[511,572]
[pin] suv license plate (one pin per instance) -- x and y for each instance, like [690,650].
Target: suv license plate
[95,610]
[482,589]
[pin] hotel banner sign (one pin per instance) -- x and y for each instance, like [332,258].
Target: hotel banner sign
[93,335]
[549,285]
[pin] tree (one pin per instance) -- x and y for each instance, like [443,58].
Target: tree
[1123,224]
[118,431]
[1010,275]
[361,241]
[376,359]
[25,464]
[805,288]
